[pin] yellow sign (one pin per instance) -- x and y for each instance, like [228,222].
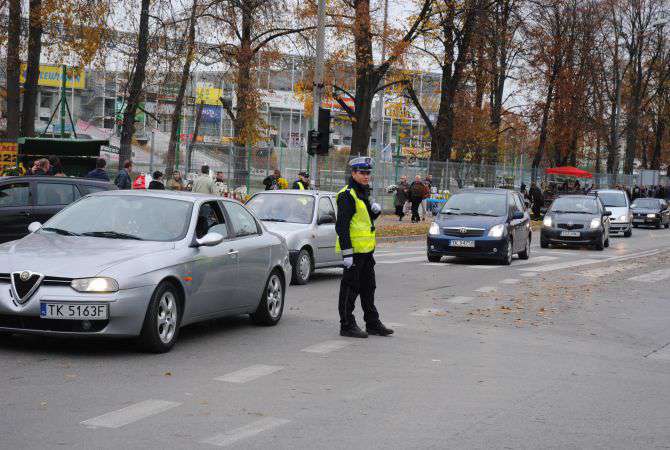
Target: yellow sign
[208,95]
[9,152]
[53,76]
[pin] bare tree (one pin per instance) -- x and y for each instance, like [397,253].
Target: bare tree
[13,69]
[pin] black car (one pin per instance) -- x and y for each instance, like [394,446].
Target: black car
[650,211]
[576,220]
[36,198]
[481,223]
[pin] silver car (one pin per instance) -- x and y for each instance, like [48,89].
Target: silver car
[141,264]
[306,219]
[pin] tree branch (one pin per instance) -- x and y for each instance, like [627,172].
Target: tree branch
[270,38]
[422,112]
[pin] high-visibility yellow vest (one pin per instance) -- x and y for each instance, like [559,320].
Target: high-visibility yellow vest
[301,186]
[360,229]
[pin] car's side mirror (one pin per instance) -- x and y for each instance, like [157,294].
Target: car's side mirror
[322,220]
[34,226]
[518,215]
[209,240]
[607,213]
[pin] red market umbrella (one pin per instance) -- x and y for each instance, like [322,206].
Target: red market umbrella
[568,171]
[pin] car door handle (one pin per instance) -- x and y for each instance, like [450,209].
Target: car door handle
[232,252]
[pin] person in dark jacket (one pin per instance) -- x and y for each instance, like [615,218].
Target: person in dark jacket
[401,197]
[123,180]
[271,182]
[356,241]
[417,192]
[41,168]
[99,173]
[157,181]
[302,182]
[536,198]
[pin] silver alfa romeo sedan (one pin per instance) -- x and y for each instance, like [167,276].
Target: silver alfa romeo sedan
[141,264]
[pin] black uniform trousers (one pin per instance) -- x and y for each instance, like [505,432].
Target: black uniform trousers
[357,280]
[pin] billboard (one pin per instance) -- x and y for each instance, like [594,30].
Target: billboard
[8,154]
[208,95]
[53,76]
[211,114]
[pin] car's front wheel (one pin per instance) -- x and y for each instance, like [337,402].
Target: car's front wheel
[525,254]
[628,233]
[507,257]
[433,257]
[302,271]
[271,306]
[600,244]
[161,323]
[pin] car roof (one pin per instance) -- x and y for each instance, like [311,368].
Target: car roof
[297,192]
[499,191]
[608,191]
[582,196]
[159,193]
[56,179]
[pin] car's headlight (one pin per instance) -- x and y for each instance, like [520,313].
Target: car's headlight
[623,218]
[547,221]
[497,230]
[98,284]
[434,229]
[651,216]
[595,223]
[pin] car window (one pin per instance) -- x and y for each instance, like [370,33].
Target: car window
[289,208]
[51,194]
[210,220]
[14,194]
[577,205]
[518,205]
[91,189]
[613,199]
[325,208]
[243,222]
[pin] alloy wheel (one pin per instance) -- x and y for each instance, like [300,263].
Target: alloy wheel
[167,317]
[275,296]
[304,266]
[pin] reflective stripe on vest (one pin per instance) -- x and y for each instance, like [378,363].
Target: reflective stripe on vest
[360,229]
[300,186]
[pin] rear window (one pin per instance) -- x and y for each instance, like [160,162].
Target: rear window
[646,203]
[613,199]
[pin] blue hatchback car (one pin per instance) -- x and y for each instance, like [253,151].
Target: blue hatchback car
[481,223]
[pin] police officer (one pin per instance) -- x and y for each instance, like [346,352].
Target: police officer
[356,241]
[302,182]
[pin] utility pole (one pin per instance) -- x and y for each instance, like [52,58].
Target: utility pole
[318,77]
[380,105]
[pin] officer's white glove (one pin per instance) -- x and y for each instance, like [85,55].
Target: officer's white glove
[376,208]
[348,261]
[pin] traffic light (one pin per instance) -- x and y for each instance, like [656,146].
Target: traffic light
[324,132]
[314,143]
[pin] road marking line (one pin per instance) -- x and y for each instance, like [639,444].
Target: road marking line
[509,281]
[404,260]
[423,252]
[426,312]
[395,324]
[249,373]
[230,437]
[130,414]
[561,265]
[529,275]
[434,264]
[460,300]
[486,289]
[532,260]
[482,267]
[657,275]
[326,347]
[608,270]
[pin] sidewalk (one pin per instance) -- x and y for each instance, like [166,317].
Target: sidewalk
[388,226]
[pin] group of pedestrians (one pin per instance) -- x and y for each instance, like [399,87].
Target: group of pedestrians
[413,195]
[274,181]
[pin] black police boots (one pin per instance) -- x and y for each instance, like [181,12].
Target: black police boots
[353,331]
[378,329]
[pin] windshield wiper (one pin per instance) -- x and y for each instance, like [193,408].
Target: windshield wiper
[577,212]
[60,231]
[267,219]
[478,214]
[112,235]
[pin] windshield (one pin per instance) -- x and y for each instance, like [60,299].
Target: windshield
[645,203]
[283,207]
[575,205]
[476,204]
[613,199]
[123,217]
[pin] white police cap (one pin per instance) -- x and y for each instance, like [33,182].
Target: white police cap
[361,163]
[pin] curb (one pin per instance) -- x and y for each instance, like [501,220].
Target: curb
[412,237]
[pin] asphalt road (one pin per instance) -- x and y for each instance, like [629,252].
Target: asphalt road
[567,350]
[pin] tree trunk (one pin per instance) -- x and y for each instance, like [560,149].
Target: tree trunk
[13,70]
[179,101]
[136,85]
[366,82]
[196,130]
[33,69]
[658,141]
[542,143]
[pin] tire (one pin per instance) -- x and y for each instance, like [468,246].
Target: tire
[636,225]
[304,265]
[628,233]
[658,225]
[543,243]
[667,225]
[600,245]
[607,242]
[525,254]
[507,258]
[161,323]
[432,257]
[271,306]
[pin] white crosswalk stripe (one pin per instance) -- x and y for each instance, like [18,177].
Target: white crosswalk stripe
[402,260]
[561,265]
[509,281]
[249,373]
[130,414]
[658,275]
[486,289]
[326,347]
[233,436]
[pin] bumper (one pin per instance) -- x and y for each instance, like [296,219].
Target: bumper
[620,227]
[647,221]
[127,309]
[485,247]
[553,236]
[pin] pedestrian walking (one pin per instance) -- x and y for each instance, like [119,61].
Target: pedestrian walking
[417,193]
[123,180]
[55,167]
[41,168]
[537,199]
[428,182]
[176,183]
[356,241]
[271,182]
[204,184]
[401,197]
[157,181]
[302,182]
[99,173]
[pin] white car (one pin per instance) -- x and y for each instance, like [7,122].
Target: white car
[618,204]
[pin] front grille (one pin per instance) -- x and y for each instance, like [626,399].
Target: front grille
[567,226]
[23,288]
[464,232]
[38,324]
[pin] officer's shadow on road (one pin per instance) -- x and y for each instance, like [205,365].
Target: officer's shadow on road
[321,276]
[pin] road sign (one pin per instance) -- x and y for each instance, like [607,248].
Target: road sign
[9,152]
